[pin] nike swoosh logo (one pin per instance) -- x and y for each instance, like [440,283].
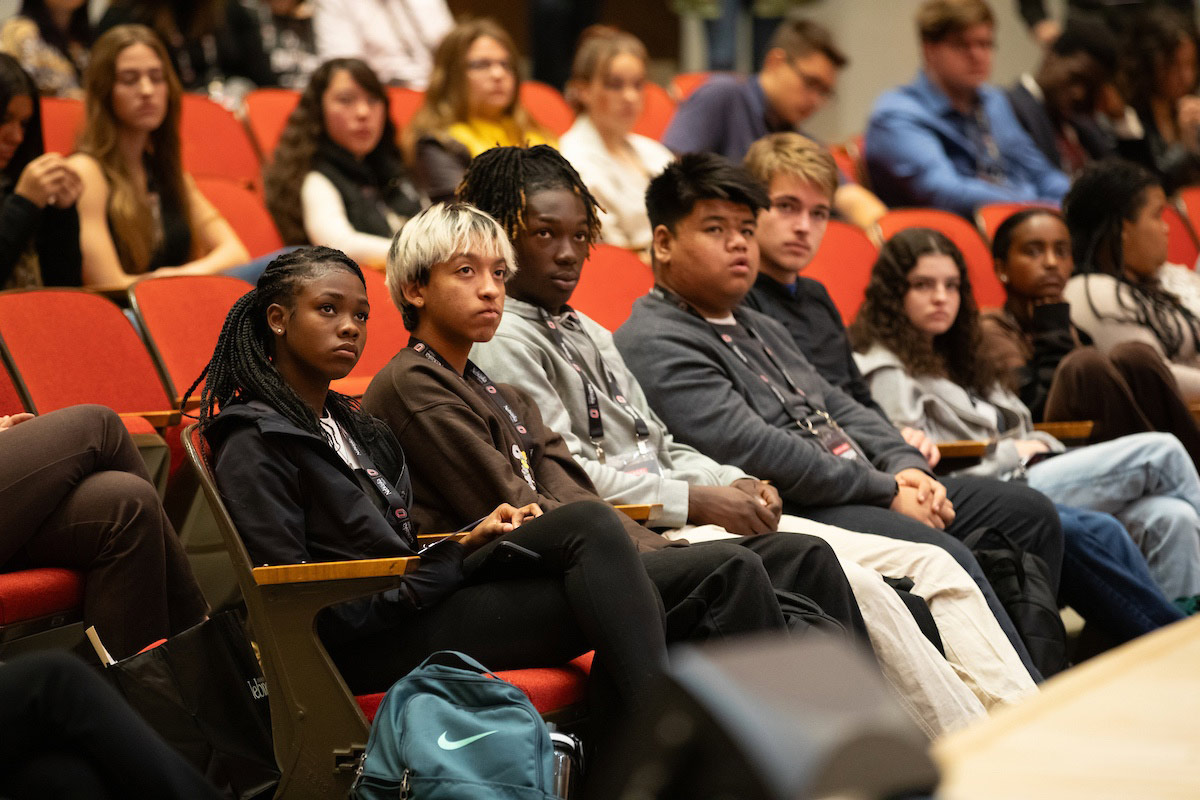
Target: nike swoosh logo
[446,744]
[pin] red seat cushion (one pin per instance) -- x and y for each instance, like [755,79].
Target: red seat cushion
[33,593]
[548,688]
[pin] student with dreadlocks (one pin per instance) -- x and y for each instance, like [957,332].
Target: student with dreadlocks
[307,476]
[1119,240]
[582,387]
[472,444]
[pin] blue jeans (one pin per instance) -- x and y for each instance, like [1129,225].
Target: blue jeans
[1149,483]
[1105,578]
[251,270]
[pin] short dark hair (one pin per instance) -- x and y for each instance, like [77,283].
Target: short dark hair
[799,37]
[938,19]
[1088,34]
[700,176]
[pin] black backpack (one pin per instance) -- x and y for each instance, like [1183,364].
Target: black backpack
[1021,582]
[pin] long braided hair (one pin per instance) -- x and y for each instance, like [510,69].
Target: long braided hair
[242,366]
[499,182]
[1101,199]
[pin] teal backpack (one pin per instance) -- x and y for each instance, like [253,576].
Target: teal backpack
[449,730]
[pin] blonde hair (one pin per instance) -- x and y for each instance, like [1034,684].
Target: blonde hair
[446,96]
[791,154]
[128,206]
[435,235]
[598,46]
[937,19]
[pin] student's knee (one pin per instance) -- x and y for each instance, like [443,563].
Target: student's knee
[1134,356]
[593,521]
[127,504]
[1086,362]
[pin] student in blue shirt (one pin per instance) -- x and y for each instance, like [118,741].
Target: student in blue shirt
[948,140]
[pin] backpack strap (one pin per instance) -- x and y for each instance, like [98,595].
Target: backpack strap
[453,658]
[972,540]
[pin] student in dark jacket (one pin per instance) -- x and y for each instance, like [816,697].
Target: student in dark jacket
[39,227]
[308,477]
[731,382]
[446,273]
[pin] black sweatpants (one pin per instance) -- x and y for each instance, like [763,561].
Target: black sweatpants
[1028,518]
[66,734]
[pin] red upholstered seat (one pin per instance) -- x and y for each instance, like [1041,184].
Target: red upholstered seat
[243,209]
[656,112]
[215,143]
[31,594]
[989,293]
[550,689]
[683,84]
[990,217]
[843,265]
[267,111]
[62,120]
[403,103]
[547,106]
[387,337]
[612,279]
[10,395]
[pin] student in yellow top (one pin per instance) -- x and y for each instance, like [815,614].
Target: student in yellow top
[471,106]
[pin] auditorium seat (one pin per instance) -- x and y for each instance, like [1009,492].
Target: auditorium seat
[1182,247]
[683,84]
[215,144]
[843,265]
[612,278]
[989,293]
[388,336]
[657,110]
[990,217]
[547,106]
[403,104]
[267,112]
[243,209]
[62,120]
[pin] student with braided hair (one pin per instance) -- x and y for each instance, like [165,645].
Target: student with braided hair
[307,476]
[1119,241]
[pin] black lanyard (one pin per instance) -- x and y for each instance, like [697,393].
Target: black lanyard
[806,423]
[397,502]
[520,454]
[595,422]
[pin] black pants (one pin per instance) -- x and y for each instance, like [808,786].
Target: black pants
[74,492]
[1028,518]
[594,594]
[65,733]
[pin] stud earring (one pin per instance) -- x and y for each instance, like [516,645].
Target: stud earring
[1003,278]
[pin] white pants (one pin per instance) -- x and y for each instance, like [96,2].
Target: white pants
[980,669]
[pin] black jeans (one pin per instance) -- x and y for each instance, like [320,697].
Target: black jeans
[65,733]
[1028,518]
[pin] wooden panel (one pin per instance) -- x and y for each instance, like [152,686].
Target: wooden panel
[333,570]
[962,449]
[1069,432]
[639,513]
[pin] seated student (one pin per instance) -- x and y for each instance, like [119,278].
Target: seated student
[1032,341]
[1119,242]
[51,40]
[607,89]
[801,180]
[917,337]
[948,140]
[39,227]
[139,211]
[76,494]
[289,40]
[396,37]
[569,366]
[730,382]
[208,41]
[472,104]
[292,461]
[337,178]
[1057,105]
[798,76]
[446,273]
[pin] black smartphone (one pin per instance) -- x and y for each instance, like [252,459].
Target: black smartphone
[508,560]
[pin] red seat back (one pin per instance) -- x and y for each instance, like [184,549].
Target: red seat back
[657,110]
[62,120]
[612,279]
[71,347]
[243,208]
[1181,241]
[267,112]
[683,84]
[182,318]
[843,265]
[214,143]
[11,401]
[403,104]
[547,106]
[990,217]
[989,293]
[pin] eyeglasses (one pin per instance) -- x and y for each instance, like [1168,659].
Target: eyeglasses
[488,64]
[812,82]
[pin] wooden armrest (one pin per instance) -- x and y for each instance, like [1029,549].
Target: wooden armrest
[639,513]
[431,538]
[1077,431]
[962,449]
[157,419]
[1195,409]
[334,570]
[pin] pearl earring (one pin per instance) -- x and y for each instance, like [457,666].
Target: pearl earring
[1004,279]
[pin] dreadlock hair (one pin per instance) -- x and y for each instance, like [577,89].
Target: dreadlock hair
[242,367]
[693,177]
[1106,195]
[499,182]
[882,318]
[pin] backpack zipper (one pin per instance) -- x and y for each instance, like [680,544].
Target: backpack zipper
[404,787]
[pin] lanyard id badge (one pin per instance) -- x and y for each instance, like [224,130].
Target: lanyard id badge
[636,462]
[831,437]
[396,499]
